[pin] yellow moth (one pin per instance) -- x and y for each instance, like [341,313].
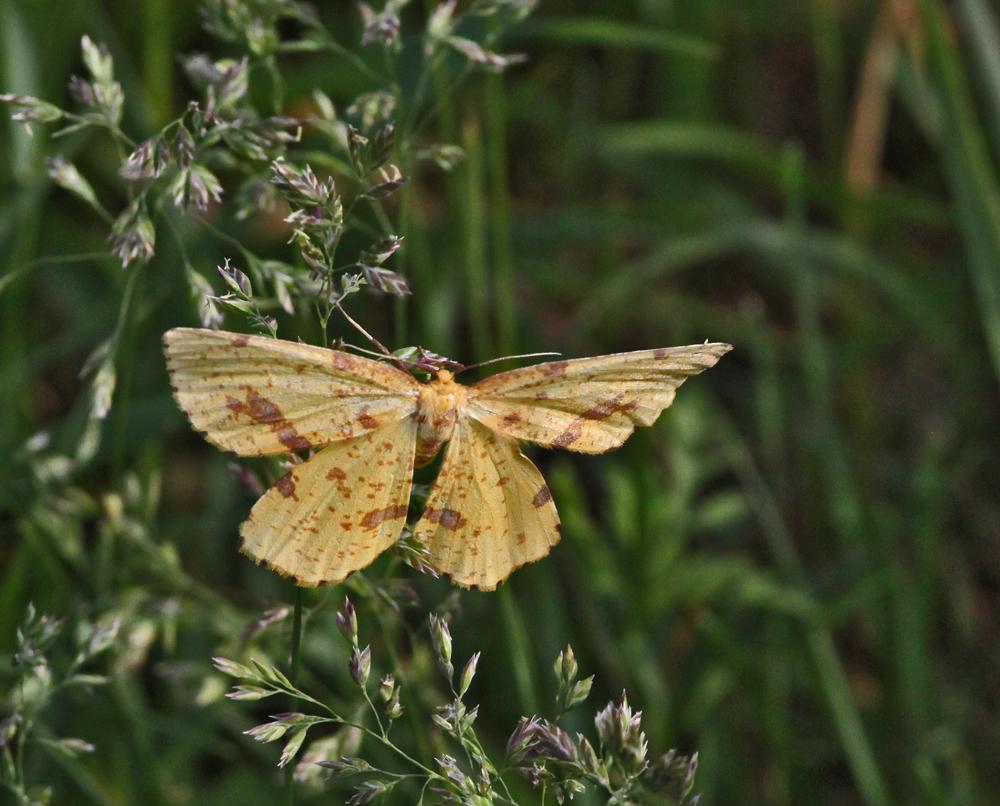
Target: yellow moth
[370,423]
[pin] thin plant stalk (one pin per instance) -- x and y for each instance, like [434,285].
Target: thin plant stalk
[293,675]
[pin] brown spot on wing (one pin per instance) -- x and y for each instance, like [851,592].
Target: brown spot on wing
[241,340]
[340,360]
[378,516]
[542,497]
[261,410]
[606,408]
[503,480]
[335,473]
[511,419]
[367,422]
[292,439]
[603,410]
[448,518]
[572,433]
[286,486]
[554,367]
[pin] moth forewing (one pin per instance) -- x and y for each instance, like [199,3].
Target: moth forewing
[589,405]
[639,365]
[257,396]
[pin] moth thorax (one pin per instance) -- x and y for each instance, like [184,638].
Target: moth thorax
[437,412]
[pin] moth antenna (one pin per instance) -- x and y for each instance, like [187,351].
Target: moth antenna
[400,361]
[403,363]
[363,332]
[507,358]
[355,348]
[367,335]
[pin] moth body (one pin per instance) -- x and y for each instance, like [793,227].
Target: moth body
[439,406]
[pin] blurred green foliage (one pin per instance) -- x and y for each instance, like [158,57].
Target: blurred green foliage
[795,573]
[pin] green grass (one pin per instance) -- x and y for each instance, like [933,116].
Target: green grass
[792,573]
